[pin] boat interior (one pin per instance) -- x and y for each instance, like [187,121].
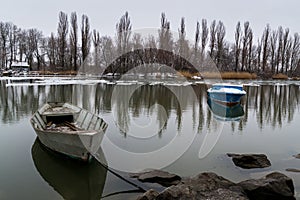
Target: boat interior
[73,120]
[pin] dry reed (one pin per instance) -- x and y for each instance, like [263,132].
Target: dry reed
[280,76]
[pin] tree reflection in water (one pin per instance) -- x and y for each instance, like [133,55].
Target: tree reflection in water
[273,105]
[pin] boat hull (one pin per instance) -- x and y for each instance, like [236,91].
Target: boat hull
[225,98]
[73,145]
[226,94]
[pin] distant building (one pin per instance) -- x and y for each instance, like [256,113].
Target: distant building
[20,66]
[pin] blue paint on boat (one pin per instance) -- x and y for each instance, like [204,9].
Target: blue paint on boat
[220,86]
[226,93]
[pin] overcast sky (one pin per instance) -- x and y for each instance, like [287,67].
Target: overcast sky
[104,15]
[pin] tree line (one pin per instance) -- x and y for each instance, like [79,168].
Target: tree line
[75,43]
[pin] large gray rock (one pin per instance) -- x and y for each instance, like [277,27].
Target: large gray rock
[249,161]
[149,195]
[297,156]
[157,176]
[275,186]
[208,186]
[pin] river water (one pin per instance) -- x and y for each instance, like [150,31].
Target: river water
[167,125]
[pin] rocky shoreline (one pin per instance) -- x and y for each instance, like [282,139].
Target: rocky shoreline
[211,186]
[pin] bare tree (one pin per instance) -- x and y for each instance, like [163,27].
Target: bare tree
[204,40]
[96,42]
[182,43]
[250,50]
[196,44]
[137,41]
[246,35]
[237,46]
[4,30]
[43,51]
[258,57]
[13,34]
[288,55]
[108,51]
[123,33]
[150,42]
[220,32]
[276,51]
[265,47]
[137,44]
[85,37]
[22,37]
[295,51]
[74,41]
[165,36]
[197,36]
[204,36]
[123,37]
[279,48]
[285,44]
[62,32]
[52,50]
[273,47]
[212,41]
[181,38]
[34,38]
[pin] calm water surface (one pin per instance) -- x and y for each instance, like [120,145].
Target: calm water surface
[172,125]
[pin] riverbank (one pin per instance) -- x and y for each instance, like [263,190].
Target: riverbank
[233,75]
[188,75]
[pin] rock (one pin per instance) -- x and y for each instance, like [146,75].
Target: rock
[275,186]
[179,191]
[249,161]
[210,186]
[157,176]
[297,156]
[292,170]
[149,195]
[204,186]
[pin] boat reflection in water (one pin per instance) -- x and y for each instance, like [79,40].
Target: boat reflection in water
[225,113]
[70,178]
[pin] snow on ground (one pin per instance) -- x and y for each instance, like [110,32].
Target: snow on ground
[83,80]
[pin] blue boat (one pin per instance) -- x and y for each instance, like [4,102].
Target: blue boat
[226,94]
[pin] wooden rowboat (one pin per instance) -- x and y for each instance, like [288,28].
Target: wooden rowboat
[69,130]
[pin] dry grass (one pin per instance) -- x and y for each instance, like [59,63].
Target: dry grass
[296,78]
[211,75]
[216,75]
[187,74]
[229,75]
[280,76]
[238,75]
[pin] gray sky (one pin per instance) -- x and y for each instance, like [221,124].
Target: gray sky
[104,15]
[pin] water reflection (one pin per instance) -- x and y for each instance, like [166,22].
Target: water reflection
[225,113]
[272,104]
[266,107]
[71,179]
[148,101]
